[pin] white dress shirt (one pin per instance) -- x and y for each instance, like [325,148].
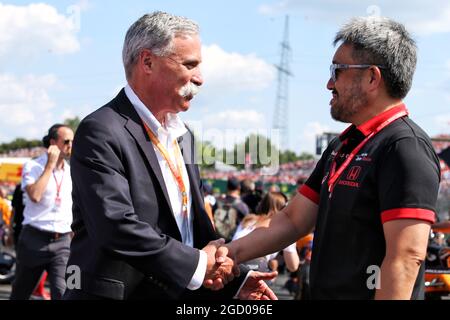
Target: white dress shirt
[173,129]
[46,214]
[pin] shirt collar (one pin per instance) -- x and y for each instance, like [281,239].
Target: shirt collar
[173,124]
[370,125]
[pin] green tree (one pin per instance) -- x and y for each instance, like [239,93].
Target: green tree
[260,149]
[288,156]
[19,143]
[206,154]
[73,123]
[306,156]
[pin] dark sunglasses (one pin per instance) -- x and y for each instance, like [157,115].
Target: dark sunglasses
[337,66]
[67,141]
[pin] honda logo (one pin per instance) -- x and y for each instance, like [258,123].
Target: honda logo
[354,173]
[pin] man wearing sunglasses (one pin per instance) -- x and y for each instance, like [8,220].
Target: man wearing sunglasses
[372,196]
[45,238]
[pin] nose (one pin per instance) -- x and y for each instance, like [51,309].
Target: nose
[197,78]
[330,84]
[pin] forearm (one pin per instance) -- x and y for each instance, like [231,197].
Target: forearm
[278,235]
[286,227]
[397,278]
[37,189]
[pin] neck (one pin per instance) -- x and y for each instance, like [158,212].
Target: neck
[161,117]
[60,163]
[372,111]
[149,101]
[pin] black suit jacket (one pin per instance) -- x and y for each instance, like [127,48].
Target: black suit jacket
[127,243]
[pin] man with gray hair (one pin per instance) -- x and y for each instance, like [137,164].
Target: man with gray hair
[139,219]
[372,196]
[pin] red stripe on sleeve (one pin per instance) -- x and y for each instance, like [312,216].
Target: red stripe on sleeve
[309,193]
[408,213]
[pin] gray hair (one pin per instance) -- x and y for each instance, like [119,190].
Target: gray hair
[382,41]
[154,32]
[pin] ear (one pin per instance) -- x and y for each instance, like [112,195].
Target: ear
[53,142]
[375,77]
[146,58]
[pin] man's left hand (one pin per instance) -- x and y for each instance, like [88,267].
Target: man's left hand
[255,288]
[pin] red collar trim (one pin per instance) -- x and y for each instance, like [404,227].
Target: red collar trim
[370,125]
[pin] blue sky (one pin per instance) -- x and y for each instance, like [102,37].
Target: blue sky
[61,59]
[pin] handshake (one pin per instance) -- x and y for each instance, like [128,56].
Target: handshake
[222,268]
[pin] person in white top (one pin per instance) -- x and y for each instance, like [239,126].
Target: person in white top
[45,238]
[270,204]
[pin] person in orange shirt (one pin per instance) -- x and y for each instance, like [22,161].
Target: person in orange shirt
[5,208]
[304,247]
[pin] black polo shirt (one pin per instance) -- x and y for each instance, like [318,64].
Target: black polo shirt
[395,175]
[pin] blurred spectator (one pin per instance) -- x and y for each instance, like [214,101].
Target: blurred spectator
[24,153]
[18,207]
[209,195]
[272,203]
[274,188]
[249,195]
[304,247]
[5,208]
[230,210]
[5,218]
[45,238]
[210,201]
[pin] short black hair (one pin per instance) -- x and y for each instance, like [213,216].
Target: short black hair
[233,184]
[52,134]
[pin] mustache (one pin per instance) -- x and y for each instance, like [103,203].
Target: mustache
[189,90]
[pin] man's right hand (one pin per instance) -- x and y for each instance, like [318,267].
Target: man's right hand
[217,274]
[226,252]
[53,156]
[223,255]
[36,190]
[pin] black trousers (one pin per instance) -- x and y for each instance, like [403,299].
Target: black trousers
[40,251]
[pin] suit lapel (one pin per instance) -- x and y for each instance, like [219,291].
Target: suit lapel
[203,229]
[136,129]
